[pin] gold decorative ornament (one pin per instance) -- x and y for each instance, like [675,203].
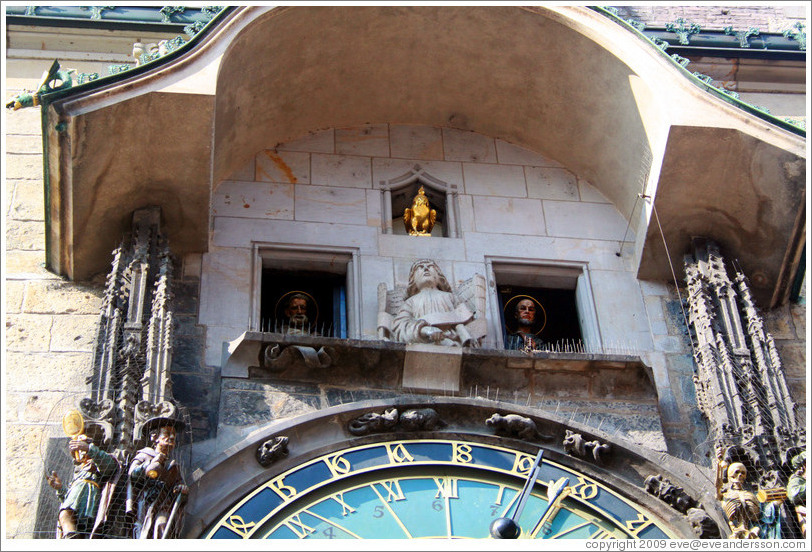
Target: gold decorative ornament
[73,424]
[420,217]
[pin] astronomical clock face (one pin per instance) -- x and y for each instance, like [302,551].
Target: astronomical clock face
[430,489]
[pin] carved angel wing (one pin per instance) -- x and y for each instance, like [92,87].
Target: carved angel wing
[472,292]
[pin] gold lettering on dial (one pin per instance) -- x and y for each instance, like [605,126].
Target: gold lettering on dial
[462,453]
[338,465]
[601,534]
[285,491]
[398,454]
[522,464]
[446,487]
[394,492]
[637,525]
[499,495]
[237,524]
[295,524]
[345,508]
[584,490]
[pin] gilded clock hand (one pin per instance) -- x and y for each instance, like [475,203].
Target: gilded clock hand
[556,492]
[506,527]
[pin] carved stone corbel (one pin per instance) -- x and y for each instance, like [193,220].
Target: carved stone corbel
[272,450]
[576,445]
[277,358]
[516,426]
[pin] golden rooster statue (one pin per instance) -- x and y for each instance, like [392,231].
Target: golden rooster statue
[419,218]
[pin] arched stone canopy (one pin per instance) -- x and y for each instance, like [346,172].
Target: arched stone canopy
[566,82]
[234,473]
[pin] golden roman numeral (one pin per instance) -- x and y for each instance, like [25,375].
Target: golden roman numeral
[396,494]
[601,534]
[398,454]
[285,491]
[637,525]
[499,495]
[522,464]
[338,465]
[295,524]
[237,524]
[446,487]
[345,508]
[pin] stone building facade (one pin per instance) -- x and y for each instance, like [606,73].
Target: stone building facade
[317,197]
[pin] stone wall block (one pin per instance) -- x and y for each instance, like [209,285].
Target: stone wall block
[328,204]
[185,297]
[561,384]
[192,265]
[793,358]
[416,142]
[15,293]
[551,183]
[45,406]
[499,215]
[253,200]
[341,170]
[24,121]
[779,322]
[286,167]
[590,221]
[187,355]
[25,441]
[371,140]
[20,512]
[588,192]
[25,235]
[28,202]
[24,143]
[656,315]
[317,142]
[28,332]
[24,167]
[62,298]
[494,180]
[626,384]
[27,265]
[511,154]
[73,333]
[464,145]
[48,371]
[385,169]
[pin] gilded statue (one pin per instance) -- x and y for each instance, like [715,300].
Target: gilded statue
[429,311]
[420,217]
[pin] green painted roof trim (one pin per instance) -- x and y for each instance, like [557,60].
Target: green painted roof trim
[86,86]
[753,110]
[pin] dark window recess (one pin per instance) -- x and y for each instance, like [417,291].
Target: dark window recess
[556,326]
[326,305]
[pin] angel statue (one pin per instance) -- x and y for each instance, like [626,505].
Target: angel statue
[430,312]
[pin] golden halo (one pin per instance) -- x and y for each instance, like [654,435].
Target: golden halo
[294,292]
[516,298]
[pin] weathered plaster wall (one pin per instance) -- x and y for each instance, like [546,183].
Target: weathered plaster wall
[775,18]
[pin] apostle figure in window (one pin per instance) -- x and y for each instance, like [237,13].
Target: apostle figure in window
[297,319]
[156,492]
[525,317]
[431,312]
[84,505]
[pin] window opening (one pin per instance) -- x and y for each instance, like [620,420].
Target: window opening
[560,296]
[303,303]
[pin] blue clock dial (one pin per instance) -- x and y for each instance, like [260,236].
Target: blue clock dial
[431,489]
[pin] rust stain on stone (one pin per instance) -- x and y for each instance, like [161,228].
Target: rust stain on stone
[282,166]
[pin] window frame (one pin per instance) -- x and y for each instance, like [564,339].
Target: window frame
[334,259]
[538,273]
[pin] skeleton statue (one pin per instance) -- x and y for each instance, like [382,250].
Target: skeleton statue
[430,312]
[740,505]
